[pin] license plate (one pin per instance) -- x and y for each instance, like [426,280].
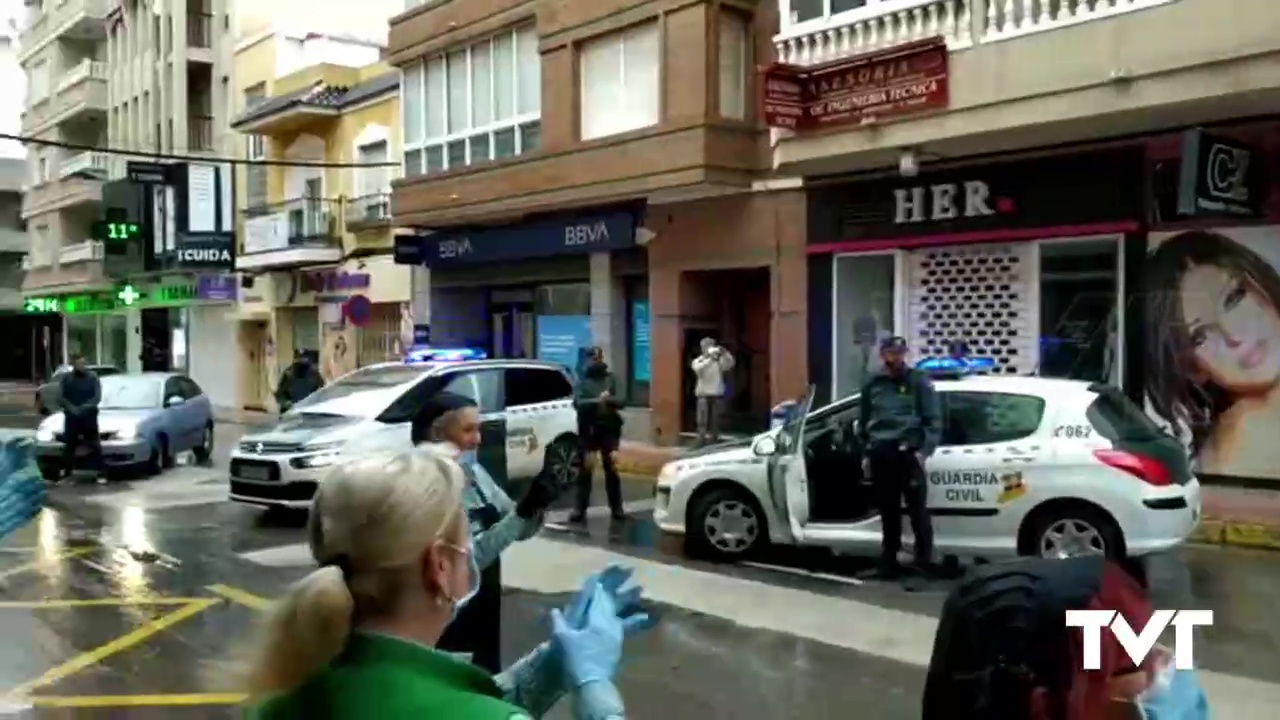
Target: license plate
[254,472]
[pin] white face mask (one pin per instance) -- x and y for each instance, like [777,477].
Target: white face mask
[473,570]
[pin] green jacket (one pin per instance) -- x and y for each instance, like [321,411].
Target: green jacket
[900,410]
[383,677]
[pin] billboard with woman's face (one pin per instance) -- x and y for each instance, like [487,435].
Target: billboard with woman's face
[1212,346]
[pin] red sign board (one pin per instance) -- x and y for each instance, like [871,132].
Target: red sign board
[905,79]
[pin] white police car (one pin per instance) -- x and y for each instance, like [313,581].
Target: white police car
[526,407]
[1026,466]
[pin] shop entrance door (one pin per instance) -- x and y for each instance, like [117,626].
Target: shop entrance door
[868,290]
[1080,316]
[255,348]
[157,336]
[513,330]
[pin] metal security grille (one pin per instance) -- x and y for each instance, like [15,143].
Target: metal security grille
[380,336]
[981,294]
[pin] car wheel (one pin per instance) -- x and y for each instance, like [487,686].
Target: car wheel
[1076,530]
[563,461]
[159,459]
[725,524]
[205,451]
[50,471]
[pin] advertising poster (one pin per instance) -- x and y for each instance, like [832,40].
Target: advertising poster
[640,341]
[1212,346]
[337,354]
[561,338]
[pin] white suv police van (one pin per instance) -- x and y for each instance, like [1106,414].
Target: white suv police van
[526,407]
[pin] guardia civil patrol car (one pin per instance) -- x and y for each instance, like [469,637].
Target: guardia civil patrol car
[526,407]
[1026,466]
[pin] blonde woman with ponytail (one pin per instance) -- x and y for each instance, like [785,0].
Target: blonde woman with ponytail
[356,638]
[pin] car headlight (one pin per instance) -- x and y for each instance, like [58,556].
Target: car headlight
[670,472]
[129,432]
[44,434]
[325,454]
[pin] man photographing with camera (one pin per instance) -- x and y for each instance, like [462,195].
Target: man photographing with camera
[900,428]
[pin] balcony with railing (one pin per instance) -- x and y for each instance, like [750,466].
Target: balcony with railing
[77,181]
[199,30]
[81,92]
[817,31]
[1029,73]
[301,231]
[87,251]
[369,212]
[81,19]
[200,133]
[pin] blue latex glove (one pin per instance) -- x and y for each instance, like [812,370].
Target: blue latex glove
[21,488]
[592,652]
[627,600]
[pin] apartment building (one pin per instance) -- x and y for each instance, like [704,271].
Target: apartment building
[1074,188]
[596,173]
[13,17]
[315,260]
[143,79]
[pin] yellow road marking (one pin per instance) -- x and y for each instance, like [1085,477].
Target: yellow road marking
[99,602]
[102,701]
[240,597]
[64,555]
[124,642]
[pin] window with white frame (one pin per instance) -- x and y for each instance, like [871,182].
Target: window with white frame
[39,82]
[374,178]
[620,87]
[255,149]
[473,104]
[734,62]
[805,10]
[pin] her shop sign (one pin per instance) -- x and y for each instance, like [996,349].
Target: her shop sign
[906,79]
[1212,325]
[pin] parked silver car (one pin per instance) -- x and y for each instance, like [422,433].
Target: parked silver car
[144,419]
[49,394]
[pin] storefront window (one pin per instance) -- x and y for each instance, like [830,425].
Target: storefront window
[82,337]
[1079,300]
[639,362]
[863,314]
[562,321]
[115,339]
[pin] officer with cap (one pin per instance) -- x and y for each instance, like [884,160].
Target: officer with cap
[900,427]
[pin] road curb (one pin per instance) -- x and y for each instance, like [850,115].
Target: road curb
[1236,533]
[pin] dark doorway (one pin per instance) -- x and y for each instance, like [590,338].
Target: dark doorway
[37,346]
[734,308]
[157,337]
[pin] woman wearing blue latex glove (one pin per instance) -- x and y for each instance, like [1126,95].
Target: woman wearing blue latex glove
[591,653]
[357,637]
[22,490]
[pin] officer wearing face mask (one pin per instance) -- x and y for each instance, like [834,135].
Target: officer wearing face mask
[358,637]
[1003,650]
[451,423]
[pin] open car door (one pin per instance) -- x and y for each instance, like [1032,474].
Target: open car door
[788,485]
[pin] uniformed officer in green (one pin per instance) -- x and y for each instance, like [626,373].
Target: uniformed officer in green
[355,638]
[899,428]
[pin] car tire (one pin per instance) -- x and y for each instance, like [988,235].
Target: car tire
[1076,529]
[564,462]
[50,471]
[725,503]
[204,452]
[160,457]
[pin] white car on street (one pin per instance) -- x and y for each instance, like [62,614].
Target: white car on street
[527,412]
[1026,466]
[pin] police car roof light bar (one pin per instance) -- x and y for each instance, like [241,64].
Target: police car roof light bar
[422,354]
[953,367]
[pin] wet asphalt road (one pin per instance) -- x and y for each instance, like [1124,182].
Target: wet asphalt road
[129,601]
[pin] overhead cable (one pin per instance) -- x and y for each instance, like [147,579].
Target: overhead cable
[144,155]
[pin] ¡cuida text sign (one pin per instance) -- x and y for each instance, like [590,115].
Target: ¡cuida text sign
[905,79]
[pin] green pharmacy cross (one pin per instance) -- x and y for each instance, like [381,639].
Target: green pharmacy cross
[128,295]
